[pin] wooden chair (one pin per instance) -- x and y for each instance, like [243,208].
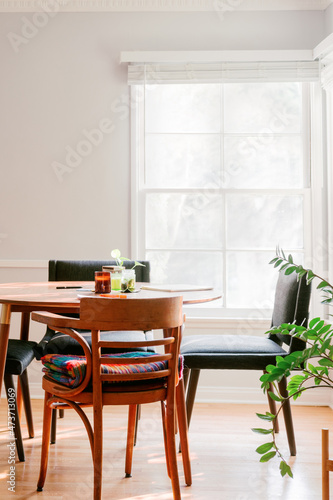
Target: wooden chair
[126,387]
[326,463]
[20,354]
[55,342]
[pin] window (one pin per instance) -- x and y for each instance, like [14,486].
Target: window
[221,178]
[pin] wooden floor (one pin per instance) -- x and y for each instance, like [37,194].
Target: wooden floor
[225,465]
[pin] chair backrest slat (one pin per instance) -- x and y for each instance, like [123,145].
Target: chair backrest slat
[131,314]
[135,361]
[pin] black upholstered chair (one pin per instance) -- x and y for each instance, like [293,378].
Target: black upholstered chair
[20,354]
[246,352]
[84,270]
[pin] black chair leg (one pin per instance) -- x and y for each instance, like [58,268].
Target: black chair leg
[191,392]
[27,402]
[288,417]
[10,389]
[186,374]
[191,378]
[53,426]
[137,418]
[272,407]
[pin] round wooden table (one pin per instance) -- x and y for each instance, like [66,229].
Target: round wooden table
[61,297]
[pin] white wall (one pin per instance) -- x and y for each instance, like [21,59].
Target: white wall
[328,20]
[63,79]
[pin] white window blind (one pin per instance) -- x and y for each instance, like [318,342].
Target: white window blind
[223,72]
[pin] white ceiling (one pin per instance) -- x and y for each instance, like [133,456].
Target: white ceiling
[160,5]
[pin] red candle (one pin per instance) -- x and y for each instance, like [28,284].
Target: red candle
[102,282]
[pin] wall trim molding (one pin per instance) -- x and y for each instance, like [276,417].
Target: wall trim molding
[41,264]
[249,395]
[215,56]
[221,7]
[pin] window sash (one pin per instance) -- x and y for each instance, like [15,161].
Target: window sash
[139,193]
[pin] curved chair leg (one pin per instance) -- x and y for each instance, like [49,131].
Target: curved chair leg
[171,448]
[165,437]
[24,383]
[45,442]
[191,392]
[98,450]
[182,424]
[9,385]
[131,427]
[288,417]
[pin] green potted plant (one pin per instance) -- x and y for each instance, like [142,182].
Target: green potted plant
[313,364]
[121,278]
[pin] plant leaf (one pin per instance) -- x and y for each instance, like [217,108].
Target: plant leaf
[313,322]
[274,396]
[262,431]
[267,416]
[268,456]
[322,284]
[285,469]
[290,270]
[264,448]
[116,253]
[325,362]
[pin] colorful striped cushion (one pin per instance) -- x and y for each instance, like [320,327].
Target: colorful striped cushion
[70,370]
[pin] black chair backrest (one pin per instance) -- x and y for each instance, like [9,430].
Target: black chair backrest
[84,270]
[291,305]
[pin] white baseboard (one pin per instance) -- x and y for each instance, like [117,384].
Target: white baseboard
[249,395]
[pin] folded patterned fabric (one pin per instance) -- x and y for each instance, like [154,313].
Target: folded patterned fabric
[70,370]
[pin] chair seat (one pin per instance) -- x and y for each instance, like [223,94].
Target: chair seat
[233,352]
[20,354]
[70,370]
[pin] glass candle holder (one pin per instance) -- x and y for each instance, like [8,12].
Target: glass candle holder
[116,276]
[128,280]
[102,282]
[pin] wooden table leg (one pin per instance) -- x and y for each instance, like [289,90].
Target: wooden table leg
[4,334]
[324,459]
[24,335]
